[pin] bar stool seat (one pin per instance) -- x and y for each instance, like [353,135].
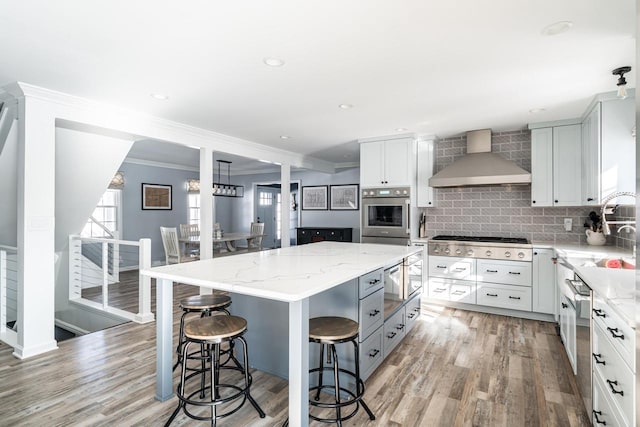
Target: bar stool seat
[203,304]
[329,331]
[210,332]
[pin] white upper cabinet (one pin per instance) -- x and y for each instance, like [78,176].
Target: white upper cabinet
[608,150]
[426,161]
[387,163]
[556,166]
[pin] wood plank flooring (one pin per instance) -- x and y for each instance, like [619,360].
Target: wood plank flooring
[455,368]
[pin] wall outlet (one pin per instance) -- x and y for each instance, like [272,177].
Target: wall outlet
[568,223]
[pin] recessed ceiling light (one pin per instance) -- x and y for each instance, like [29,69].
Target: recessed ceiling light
[159,96]
[536,110]
[400,129]
[273,62]
[345,106]
[557,28]
[284,137]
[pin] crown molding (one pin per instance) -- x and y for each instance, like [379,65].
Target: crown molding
[141,125]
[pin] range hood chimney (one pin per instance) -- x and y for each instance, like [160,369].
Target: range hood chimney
[480,166]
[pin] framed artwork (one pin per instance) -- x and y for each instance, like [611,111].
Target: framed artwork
[156,197]
[344,197]
[315,198]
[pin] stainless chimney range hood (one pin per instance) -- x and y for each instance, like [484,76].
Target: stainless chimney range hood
[480,166]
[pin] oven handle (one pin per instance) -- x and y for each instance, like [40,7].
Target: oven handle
[408,202]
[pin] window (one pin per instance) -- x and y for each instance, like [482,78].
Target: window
[105,220]
[194,208]
[266,198]
[278,216]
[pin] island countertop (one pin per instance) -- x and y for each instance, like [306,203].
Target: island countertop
[286,274]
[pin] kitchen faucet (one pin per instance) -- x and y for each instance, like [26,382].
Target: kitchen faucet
[603,213]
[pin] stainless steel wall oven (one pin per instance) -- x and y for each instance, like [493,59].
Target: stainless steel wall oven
[386,215]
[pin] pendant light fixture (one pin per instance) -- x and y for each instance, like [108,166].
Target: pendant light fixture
[228,190]
[622,82]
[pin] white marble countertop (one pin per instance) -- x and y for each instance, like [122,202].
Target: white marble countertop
[287,274]
[616,286]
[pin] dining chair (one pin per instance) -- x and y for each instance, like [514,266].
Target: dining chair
[255,243]
[172,246]
[218,246]
[187,231]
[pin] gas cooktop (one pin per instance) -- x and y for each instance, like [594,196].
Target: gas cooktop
[502,248]
[484,239]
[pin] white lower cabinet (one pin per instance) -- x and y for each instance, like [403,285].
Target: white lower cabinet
[616,377]
[567,320]
[412,312]
[605,412]
[543,281]
[452,290]
[504,296]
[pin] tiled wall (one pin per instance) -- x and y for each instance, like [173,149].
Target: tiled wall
[503,210]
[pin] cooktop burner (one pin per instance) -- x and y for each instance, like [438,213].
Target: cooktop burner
[502,248]
[484,239]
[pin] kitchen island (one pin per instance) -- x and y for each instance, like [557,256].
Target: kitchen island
[290,275]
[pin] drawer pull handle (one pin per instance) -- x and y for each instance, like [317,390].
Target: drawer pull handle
[458,292]
[374,353]
[400,327]
[492,295]
[517,273]
[564,305]
[374,313]
[613,390]
[373,282]
[492,271]
[598,421]
[599,312]
[411,315]
[417,309]
[510,297]
[460,268]
[438,290]
[614,333]
[444,267]
[391,335]
[597,358]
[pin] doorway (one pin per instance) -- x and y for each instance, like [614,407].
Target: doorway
[268,209]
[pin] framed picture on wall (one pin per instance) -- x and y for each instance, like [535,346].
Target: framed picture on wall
[315,198]
[344,197]
[156,197]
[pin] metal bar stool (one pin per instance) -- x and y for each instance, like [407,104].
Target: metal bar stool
[211,332]
[330,331]
[203,304]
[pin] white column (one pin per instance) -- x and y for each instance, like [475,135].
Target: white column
[144,283]
[36,217]
[285,191]
[206,207]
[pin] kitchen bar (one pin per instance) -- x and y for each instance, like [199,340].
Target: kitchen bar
[291,275]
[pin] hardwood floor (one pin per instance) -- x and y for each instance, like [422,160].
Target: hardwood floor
[455,368]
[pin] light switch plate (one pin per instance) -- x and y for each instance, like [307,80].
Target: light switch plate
[568,223]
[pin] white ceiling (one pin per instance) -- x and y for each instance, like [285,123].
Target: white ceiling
[433,67]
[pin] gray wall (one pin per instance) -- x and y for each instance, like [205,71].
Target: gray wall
[498,210]
[139,224]
[242,213]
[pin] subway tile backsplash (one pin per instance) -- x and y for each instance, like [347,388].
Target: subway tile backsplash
[506,211]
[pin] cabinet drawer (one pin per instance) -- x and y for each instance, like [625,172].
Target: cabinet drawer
[617,378]
[371,353]
[371,313]
[412,312]
[504,272]
[604,411]
[452,268]
[504,296]
[461,291]
[394,330]
[439,289]
[371,282]
[620,333]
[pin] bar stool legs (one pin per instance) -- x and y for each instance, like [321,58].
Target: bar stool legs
[210,333]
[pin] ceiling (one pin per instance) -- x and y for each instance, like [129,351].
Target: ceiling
[432,67]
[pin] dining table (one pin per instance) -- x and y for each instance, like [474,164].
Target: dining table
[290,275]
[227,238]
